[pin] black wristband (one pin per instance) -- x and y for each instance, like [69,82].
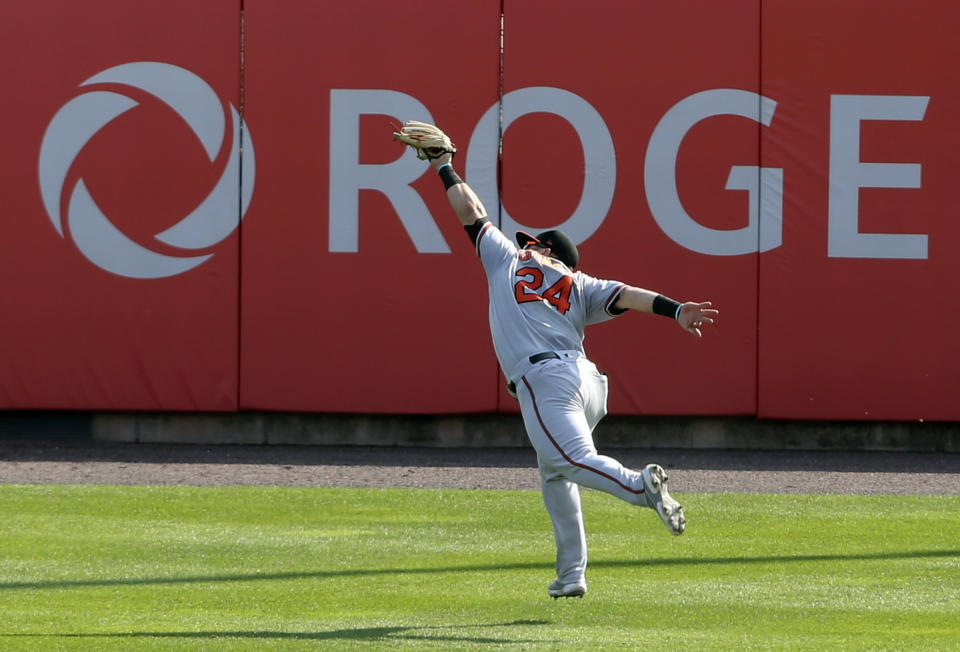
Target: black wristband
[449,176]
[665,306]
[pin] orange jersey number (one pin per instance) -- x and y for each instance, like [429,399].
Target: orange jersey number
[531,280]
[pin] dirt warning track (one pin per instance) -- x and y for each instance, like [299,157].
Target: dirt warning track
[90,462]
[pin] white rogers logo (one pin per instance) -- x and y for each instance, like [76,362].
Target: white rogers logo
[94,234]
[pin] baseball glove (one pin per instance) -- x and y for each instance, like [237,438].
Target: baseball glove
[429,141]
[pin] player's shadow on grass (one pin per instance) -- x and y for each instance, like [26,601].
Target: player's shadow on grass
[434,633]
[369,572]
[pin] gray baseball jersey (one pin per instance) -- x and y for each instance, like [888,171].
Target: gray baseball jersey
[537,303]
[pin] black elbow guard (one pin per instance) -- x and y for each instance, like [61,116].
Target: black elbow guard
[473,230]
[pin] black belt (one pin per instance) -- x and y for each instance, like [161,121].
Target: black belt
[534,359]
[546,355]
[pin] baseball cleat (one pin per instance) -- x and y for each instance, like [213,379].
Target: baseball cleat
[655,489]
[558,589]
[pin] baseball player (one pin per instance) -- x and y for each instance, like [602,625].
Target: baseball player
[539,307]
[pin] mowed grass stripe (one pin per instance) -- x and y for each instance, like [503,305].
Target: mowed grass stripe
[120,568]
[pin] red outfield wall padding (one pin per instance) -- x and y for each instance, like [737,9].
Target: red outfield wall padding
[640,95]
[118,265]
[361,291]
[857,307]
[805,185]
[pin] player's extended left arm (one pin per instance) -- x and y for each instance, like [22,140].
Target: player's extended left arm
[691,315]
[463,199]
[432,145]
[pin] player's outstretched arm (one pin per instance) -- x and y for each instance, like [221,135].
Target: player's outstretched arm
[691,315]
[463,199]
[432,145]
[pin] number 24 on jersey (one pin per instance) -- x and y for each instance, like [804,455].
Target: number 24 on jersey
[528,288]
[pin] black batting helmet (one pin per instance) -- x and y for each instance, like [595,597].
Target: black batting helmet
[561,245]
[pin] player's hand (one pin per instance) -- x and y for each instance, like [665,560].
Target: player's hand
[444,158]
[693,315]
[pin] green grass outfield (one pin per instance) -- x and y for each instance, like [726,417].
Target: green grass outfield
[222,568]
